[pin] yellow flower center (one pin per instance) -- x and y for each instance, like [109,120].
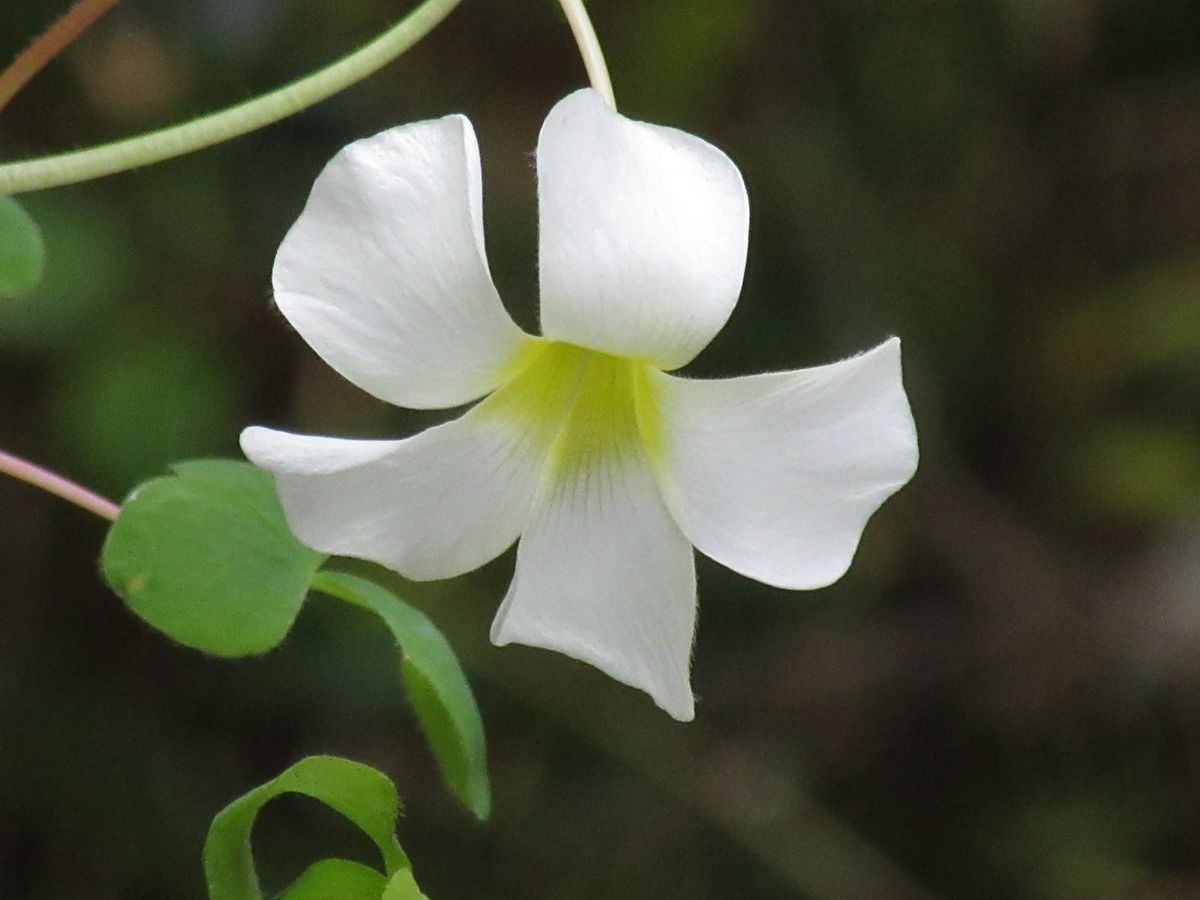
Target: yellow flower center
[581,407]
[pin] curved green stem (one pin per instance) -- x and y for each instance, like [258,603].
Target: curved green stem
[83,165]
[589,48]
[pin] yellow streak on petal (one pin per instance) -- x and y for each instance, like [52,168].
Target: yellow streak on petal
[578,407]
[602,423]
[649,418]
[540,394]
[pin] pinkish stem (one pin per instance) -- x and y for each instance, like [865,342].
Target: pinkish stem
[55,484]
[51,43]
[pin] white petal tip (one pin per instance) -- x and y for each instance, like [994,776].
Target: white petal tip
[251,440]
[676,700]
[679,712]
[777,475]
[811,581]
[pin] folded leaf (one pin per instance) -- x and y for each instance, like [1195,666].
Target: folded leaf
[363,795]
[439,691]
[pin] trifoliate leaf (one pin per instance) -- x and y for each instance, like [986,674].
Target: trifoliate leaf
[206,557]
[439,691]
[22,252]
[363,795]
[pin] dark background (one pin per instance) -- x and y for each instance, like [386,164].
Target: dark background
[1001,699]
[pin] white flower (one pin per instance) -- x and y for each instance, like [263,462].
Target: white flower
[605,467]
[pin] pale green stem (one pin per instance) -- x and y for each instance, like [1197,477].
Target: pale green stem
[30,473]
[589,49]
[83,165]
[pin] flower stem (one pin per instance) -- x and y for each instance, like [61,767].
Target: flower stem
[24,470]
[49,44]
[589,49]
[83,165]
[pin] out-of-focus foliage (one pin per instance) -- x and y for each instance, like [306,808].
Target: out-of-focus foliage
[22,251]
[1002,698]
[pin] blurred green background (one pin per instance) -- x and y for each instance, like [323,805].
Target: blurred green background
[1001,699]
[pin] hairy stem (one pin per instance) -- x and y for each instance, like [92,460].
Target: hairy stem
[30,473]
[49,44]
[589,48]
[83,165]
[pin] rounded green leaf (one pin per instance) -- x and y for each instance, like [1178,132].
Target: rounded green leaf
[363,795]
[440,693]
[22,251]
[341,879]
[206,557]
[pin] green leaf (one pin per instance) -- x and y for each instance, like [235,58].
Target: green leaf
[403,887]
[22,251]
[363,795]
[206,557]
[340,879]
[439,691]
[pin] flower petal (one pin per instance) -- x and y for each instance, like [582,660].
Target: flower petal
[776,475]
[643,234]
[385,274]
[435,505]
[605,576]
